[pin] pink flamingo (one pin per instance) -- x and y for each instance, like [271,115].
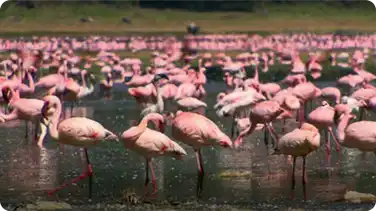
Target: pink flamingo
[270,89]
[363,95]
[299,143]
[155,105]
[197,131]
[16,84]
[106,84]
[356,135]
[288,101]
[236,103]
[50,81]
[264,112]
[189,90]
[331,93]
[293,80]
[138,80]
[76,131]
[367,76]
[350,81]
[150,143]
[314,67]
[191,104]
[305,92]
[25,109]
[169,91]
[323,119]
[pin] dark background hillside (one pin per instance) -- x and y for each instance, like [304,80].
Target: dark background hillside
[196,5]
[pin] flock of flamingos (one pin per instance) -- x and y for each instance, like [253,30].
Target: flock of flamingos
[253,105]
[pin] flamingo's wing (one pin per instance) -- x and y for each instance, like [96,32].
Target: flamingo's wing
[78,130]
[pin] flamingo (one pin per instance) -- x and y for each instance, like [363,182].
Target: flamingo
[190,104]
[323,118]
[305,92]
[25,109]
[264,112]
[236,102]
[197,131]
[158,105]
[358,135]
[150,143]
[299,143]
[75,131]
[331,93]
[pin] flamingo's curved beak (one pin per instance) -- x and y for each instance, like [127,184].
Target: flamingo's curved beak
[162,127]
[225,144]
[6,91]
[276,152]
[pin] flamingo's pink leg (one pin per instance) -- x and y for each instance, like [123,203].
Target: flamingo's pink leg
[293,179]
[304,178]
[301,115]
[36,130]
[272,130]
[338,147]
[327,141]
[153,179]
[245,133]
[147,176]
[200,178]
[87,173]
[284,126]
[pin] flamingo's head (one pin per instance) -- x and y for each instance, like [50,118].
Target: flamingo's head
[220,96]
[6,91]
[340,111]
[91,77]
[168,117]
[158,121]
[324,103]
[50,107]
[159,77]
[258,97]
[225,142]
[127,78]
[309,127]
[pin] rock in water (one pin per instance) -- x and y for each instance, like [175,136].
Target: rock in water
[356,197]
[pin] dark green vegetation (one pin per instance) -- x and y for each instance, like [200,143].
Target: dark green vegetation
[199,5]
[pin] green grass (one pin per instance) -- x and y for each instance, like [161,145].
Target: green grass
[65,18]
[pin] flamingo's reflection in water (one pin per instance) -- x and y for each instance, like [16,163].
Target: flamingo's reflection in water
[32,168]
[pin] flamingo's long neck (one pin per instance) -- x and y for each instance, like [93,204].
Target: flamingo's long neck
[256,76]
[83,78]
[141,127]
[108,79]
[342,126]
[160,102]
[31,81]
[19,71]
[90,85]
[15,95]
[54,122]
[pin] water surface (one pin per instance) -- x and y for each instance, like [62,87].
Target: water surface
[26,173]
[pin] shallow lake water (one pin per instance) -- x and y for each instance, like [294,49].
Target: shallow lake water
[27,173]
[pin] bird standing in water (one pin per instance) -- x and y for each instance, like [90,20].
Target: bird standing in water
[76,131]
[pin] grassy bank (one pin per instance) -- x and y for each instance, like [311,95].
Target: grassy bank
[65,19]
